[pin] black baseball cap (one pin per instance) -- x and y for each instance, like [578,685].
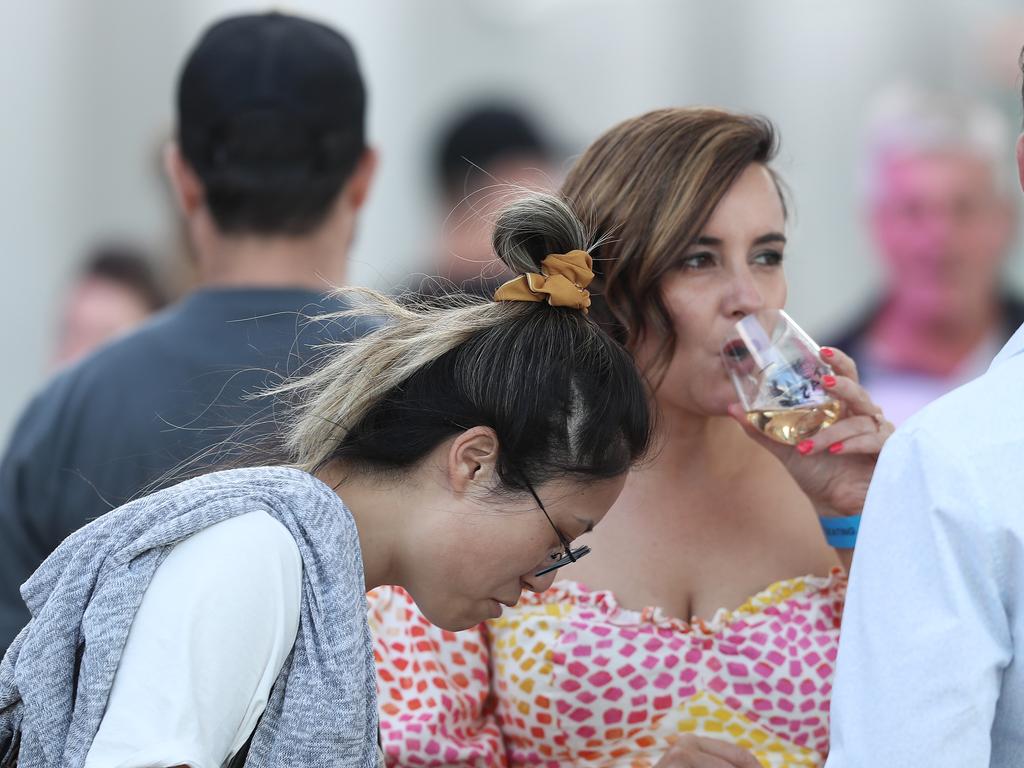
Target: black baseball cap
[277,76]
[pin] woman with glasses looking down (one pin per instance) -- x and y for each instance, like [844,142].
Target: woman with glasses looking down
[456,452]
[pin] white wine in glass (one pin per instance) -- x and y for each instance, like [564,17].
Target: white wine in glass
[777,370]
[793,425]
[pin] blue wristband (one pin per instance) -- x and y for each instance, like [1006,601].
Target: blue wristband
[841,532]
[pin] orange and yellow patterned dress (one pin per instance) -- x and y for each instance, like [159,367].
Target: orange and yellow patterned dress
[570,677]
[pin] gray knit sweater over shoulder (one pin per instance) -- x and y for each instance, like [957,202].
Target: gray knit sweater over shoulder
[57,675]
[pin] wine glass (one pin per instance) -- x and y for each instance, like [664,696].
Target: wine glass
[777,370]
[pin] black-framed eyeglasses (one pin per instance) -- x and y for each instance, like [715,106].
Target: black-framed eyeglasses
[569,555]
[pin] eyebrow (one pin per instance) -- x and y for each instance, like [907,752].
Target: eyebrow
[771,237]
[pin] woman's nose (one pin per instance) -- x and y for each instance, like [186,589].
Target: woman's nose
[538,583]
[744,296]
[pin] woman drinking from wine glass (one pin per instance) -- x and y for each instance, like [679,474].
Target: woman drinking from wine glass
[704,625]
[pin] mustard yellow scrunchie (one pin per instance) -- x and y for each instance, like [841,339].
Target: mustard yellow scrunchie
[562,283]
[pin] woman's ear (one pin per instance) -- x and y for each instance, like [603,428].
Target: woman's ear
[473,459]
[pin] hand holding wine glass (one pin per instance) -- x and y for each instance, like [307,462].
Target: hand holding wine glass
[805,404]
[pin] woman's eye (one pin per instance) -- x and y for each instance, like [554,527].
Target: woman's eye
[697,260]
[769,258]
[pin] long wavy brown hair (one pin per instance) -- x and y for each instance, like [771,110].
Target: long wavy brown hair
[648,187]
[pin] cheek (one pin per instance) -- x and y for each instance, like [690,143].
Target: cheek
[695,377]
[901,244]
[986,247]
[692,319]
[482,550]
[697,384]
[459,572]
[776,291]
[892,236]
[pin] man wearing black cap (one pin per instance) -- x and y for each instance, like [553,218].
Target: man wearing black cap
[269,169]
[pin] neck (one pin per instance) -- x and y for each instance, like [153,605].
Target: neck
[938,345]
[376,509]
[705,453]
[316,261]
[701,488]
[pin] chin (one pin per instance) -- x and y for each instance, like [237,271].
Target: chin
[718,400]
[459,625]
[456,623]
[935,301]
[448,621]
[707,397]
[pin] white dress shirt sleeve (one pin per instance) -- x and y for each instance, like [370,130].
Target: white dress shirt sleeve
[925,635]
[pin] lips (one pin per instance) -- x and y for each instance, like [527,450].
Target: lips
[736,349]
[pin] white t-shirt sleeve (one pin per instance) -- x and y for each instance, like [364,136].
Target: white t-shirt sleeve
[213,630]
[925,636]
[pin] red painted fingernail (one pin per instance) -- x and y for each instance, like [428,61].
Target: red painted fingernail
[805,447]
[827,352]
[828,381]
[835,448]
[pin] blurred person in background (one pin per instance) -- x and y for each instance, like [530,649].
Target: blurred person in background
[701,629]
[114,292]
[485,157]
[942,213]
[270,169]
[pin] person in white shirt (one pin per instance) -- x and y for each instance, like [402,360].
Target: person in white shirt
[931,658]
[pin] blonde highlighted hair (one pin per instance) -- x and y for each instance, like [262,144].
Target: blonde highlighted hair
[561,395]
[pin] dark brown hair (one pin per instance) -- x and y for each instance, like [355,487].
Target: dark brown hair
[648,186]
[563,397]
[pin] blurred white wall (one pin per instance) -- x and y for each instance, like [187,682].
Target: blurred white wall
[87,89]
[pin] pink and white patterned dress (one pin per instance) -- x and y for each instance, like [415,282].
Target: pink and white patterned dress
[570,677]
